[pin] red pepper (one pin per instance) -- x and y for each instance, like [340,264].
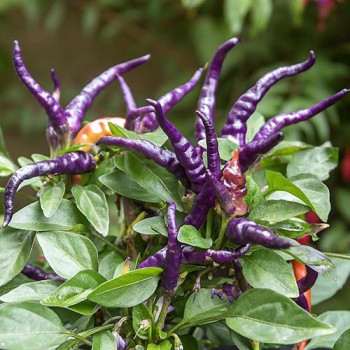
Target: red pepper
[345,166]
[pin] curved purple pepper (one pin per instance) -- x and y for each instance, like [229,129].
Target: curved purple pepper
[127,94]
[164,158]
[307,282]
[52,107]
[207,101]
[212,146]
[277,123]
[186,154]
[243,230]
[38,274]
[235,127]
[155,260]
[253,150]
[56,86]
[67,164]
[229,291]
[173,256]
[76,109]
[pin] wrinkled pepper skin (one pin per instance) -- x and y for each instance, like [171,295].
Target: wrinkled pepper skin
[67,164]
[38,274]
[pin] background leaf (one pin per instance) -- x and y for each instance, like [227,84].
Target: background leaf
[104,341]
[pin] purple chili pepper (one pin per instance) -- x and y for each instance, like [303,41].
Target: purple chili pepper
[127,94]
[302,302]
[56,86]
[76,109]
[242,231]
[173,255]
[155,260]
[235,127]
[164,158]
[275,124]
[307,282]
[187,155]
[212,146]
[38,274]
[253,150]
[52,107]
[207,100]
[70,163]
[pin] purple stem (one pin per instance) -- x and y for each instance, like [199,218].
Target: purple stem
[76,109]
[38,274]
[173,256]
[242,230]
[275,124]
[207,100]
[187,155]
[254,150]
[235,127]
[56,86]
[70,163]
[164,158]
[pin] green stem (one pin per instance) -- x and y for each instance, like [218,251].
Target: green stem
[209,224]
[255,345]
[221,236]
[109,244]
[95,330]
[337,255]
[80,337]
[163,311]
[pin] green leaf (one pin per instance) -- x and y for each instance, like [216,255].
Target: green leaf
[266,269]
[323,290]
[254,123]
[306,188]
[343,342]
[32,218]
[104,341]
[319,161]
[108,263]
[287,148]
[75,290]
[261,14]
[7,167]
[291,228]
[153,178]
[191,236]
[158,137]
[277,210]
[68,253]
[29,325]
[226,148]
[91,202]
[14,283]
[141,313]
[127,290]
[254,195]
[340,320]
[152,226]
[201,308]
[15,246]
[266,316]
[51,197]
[32,291]
[235,13]
[120,183]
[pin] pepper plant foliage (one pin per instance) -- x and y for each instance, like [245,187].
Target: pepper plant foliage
[142,240]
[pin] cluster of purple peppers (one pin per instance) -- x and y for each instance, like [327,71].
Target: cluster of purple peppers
[210,184]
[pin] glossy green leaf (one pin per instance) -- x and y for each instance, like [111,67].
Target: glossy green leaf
[32,291]
[14,283]
[191,236]
[68,253]
[319,161]
[266,316]
[323,289]
[255,121]
[154,178]
[107,265]
[277,210]
[85,307]
[313,258]
[32,218]
[225,146]
[254,195]
[291,228]
[51,197]
[7,167]
[266,269]
[127,290]
[152,226]
[91,201]
[343,342]
[120,183]
[340,320]
[201,308]
[104,341]
[75,290]
[29,325]
[15,246]
[287,148]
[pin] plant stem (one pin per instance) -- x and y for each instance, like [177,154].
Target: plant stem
[95,330]
[209,224]
[255,345]
[337,255]
[109,244]
[80,337]
[221,236]
[163,311]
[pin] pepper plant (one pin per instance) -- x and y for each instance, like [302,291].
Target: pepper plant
[139,239]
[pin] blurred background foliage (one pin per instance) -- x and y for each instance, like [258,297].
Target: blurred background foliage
[81,38]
